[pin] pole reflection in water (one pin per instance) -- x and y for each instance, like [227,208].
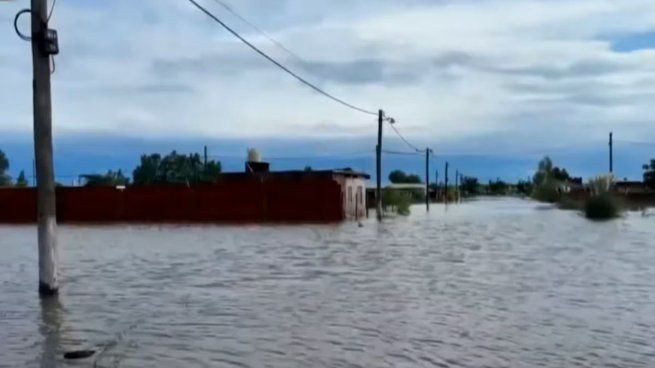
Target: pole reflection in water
[50,330]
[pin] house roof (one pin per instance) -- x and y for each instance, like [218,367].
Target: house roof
[407,186]
[297,174]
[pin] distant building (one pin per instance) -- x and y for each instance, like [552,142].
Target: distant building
[413,187]
[257,195]
[630,187]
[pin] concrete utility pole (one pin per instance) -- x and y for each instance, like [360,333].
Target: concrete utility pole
[378,168]
[427,179]
[445,187]
[611,153]
[45,177]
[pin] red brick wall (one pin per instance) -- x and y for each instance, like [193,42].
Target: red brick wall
[242,201]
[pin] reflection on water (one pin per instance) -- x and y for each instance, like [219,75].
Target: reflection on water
[496,283]
[50,330]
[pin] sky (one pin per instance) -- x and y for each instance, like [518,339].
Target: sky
[490,85]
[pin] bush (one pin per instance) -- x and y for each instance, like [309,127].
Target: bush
[546,192]
[568,203]
[603,206]
[397,201]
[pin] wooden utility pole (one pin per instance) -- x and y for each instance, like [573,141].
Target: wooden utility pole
[427,179]
[445,187]
[456,185]
[204,164]
[378,168]
[611,153]
[45,177]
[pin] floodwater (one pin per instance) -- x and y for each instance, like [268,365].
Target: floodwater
[489,283]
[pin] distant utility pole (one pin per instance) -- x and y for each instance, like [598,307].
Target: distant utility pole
[378,168]
[427,179]
[44,44]
[611,153]
[456,185]
[436,185]
[445,189]
[205,157]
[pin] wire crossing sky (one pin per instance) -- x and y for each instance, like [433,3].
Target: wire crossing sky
[478,76]
[278,64]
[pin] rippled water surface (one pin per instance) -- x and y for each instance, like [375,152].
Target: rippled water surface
[490,283]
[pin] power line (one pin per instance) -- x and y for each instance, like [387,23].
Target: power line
[403,138]
[402,153]
[278,64]
[261,31]
[52,9]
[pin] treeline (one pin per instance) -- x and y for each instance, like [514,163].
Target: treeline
[152,169]
[173,168]
[5,179]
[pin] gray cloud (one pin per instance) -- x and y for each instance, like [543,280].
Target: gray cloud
[143,89]
[356,72]
[365,71]
[205,64]
[164,88]
[576,69]
[452,58]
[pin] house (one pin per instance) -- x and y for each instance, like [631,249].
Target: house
[258,195]
[630,187]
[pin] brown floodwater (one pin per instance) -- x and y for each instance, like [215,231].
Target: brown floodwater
[488,283]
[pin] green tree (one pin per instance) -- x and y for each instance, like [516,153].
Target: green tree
[470,185]
[21,181]
[544,171]
[649,174]
[400,177]
[5,179]
[175,168]
[497,187]
[111,178]
[560,174]
[524,187]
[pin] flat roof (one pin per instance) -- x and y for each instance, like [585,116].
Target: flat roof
[301,173]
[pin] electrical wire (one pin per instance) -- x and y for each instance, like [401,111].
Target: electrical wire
[278,64]
[52,9]
[403,138]
[22,36]
[390,152]
[260,31]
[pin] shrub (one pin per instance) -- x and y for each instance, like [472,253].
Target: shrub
[546,192]
[397,201]
[568,203]
[602,206]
